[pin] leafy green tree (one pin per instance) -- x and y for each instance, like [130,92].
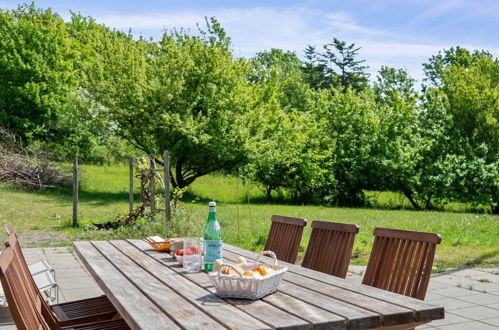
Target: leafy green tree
[186,94]
[472,103]
[392,82]
[37,71]
[342,66]
[285,155]
[442,146]
[455,56]
[279,74]
[337,66]
[313,69]
[349,126]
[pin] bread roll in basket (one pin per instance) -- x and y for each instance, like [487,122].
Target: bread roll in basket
[248,281]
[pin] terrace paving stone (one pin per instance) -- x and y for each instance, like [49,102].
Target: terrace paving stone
[468,326]
[467,272]
[76,294]
[434,285]
[452,303]
[494,306]
[449,319]
[453,292]
[493,278]
[482,299]
[470,283]
[478,313]
[493,321]
[432,296]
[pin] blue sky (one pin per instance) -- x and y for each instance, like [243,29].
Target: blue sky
[403,33]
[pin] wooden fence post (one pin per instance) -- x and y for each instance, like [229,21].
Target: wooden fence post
[75,192]
[152,184]
[166,168]
[130,189]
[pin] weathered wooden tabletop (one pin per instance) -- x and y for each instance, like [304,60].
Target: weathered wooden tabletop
[151,291]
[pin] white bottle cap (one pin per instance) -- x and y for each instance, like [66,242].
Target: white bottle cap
[212,203]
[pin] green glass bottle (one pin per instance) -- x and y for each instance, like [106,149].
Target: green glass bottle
[212,239]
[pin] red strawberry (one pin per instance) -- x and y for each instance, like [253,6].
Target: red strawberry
[192,250]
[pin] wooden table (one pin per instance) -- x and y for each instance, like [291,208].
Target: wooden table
[151,291]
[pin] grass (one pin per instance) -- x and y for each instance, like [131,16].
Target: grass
[468,239]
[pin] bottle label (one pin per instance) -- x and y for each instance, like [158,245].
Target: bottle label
[216,226]
[212,250]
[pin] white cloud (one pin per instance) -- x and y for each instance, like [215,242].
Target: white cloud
[293,28]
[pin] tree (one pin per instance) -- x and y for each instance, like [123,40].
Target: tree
[472,94]
[392,82]
[337,67]
[279,74]
[455,56]
[184,93]
[442,146]
[313,69]
[37,62]
[349,126]
[285,153]
[342,67]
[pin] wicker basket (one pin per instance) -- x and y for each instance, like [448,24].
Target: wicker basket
[239,286]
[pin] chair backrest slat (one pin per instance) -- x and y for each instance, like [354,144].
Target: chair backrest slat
[330,247]
[285,236]
[26,312]
[401,261]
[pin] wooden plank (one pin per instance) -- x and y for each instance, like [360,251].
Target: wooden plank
[408,234]
[138,311]
[166,169]
[357,317]
[175,306]
[152,185]
[320,318]
[317,317]
[130,184]
[209,303]
[390,314]
[423,311]
[335,226]
[75,192]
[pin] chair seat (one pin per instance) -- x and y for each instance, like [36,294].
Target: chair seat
[105,325]
[76,312]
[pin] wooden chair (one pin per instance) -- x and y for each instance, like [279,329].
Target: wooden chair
[330,247]
[285,236]
[401,261]
[26,307]
[72,313]
[27,313]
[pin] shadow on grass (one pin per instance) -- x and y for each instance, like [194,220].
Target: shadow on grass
[94,197]
[101,198]
[477,261]
[190,196]
[481,258]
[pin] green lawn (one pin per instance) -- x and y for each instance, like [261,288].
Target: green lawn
[43,217]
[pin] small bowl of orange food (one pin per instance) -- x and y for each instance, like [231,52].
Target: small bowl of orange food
[158,243]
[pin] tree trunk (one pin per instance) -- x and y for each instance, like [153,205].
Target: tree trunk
[268,193]
[408,194]
[495,209]
[428,202]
